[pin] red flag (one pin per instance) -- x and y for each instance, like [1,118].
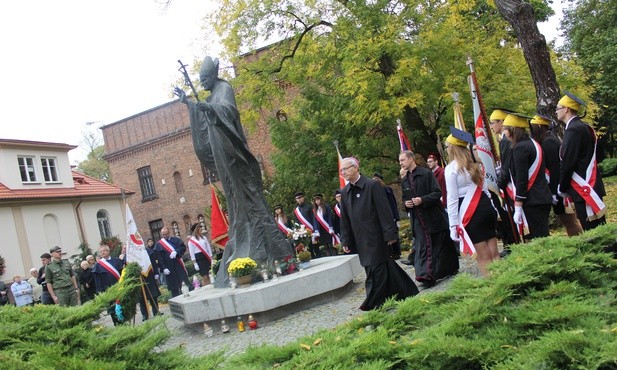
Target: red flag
[402,138]
[341,179]
[218,222]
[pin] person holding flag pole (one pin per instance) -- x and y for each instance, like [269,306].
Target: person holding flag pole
[136,251]
[493,155]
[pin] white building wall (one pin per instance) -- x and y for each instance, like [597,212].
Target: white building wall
[11,177]
[115,211]
[9,248]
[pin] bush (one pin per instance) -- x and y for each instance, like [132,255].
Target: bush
[608,167]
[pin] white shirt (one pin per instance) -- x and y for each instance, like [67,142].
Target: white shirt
[457,185]
[203,242]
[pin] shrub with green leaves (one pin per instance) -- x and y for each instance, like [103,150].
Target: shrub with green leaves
[551,304]
[608,167]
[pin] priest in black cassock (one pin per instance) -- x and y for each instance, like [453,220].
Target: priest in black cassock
[367,225]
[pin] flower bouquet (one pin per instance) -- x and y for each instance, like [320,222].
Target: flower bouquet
[241,267]
[289,265]
[300,235]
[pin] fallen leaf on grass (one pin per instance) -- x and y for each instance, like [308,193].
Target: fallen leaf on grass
[305,346]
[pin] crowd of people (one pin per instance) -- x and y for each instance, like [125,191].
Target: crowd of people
[446,206]
[454,205]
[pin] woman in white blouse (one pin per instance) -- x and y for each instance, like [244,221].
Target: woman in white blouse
[472,217]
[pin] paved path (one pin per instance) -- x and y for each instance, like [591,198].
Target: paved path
[285,330]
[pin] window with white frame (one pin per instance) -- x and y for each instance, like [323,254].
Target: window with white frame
[50,172]
[102,218]
[26,169]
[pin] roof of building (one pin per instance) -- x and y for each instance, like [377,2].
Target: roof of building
[35,144]
[84,186]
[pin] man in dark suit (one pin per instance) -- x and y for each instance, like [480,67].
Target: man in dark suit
[435,256]
[578,174]
[169,255]
[107,272]
[367,224]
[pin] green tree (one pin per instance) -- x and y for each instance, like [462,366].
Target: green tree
[590,34]
[94,165]
[348,70]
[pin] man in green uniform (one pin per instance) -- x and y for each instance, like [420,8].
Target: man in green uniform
[60,280]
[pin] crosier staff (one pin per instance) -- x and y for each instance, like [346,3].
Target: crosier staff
[187,79]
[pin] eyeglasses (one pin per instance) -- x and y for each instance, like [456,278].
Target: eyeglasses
[56,252]
[345,168]
[559,108]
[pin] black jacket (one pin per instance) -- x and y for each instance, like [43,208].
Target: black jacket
[430,213]
[576,151]
[523,155]
[366,221]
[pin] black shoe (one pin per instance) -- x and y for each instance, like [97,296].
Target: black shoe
[427,284]
[406,262]
[505,253]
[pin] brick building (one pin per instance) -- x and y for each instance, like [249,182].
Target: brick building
[152,154]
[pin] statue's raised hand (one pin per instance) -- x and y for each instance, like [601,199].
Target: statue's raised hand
[180,94]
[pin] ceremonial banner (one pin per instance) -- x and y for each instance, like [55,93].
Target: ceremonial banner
[402,138]
[135,247]
[341,179]
[483,144]
[218,222]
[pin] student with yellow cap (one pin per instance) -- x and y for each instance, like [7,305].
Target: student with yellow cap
[579,176]
[528,186]
[550,147]
[505,225]
[471,215]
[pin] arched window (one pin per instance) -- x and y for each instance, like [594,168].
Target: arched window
[52,231]
[102,217]
[178,182]
[187,224]
[175,229]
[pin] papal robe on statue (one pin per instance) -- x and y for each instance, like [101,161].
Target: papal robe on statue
[221,147]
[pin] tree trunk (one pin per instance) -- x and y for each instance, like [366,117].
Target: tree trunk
[520,16]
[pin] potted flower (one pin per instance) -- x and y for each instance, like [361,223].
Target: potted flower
[242,269]
[304,257]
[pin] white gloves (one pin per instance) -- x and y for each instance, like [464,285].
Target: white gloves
[331,231]
[156,277]
[560,193]
[166,272]
[454,235]
[518,215]
[554,201]
[172,255]
[196,265]
[398,224]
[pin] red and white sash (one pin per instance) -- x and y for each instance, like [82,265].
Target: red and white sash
[110,268]
[303,220]
[468,208]
[594,205]
[170,248]
[532,174]
[322,221]
[284,229]
[200,247]
[337,210]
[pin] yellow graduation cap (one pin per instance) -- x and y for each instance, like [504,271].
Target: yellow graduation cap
[540,120]
[571,101]
[516,120]
[499,114]
[459,137]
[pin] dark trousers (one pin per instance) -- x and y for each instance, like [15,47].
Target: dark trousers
[537,219]
[143,308]
[46,298]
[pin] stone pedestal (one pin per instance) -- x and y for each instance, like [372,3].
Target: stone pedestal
[272,299]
